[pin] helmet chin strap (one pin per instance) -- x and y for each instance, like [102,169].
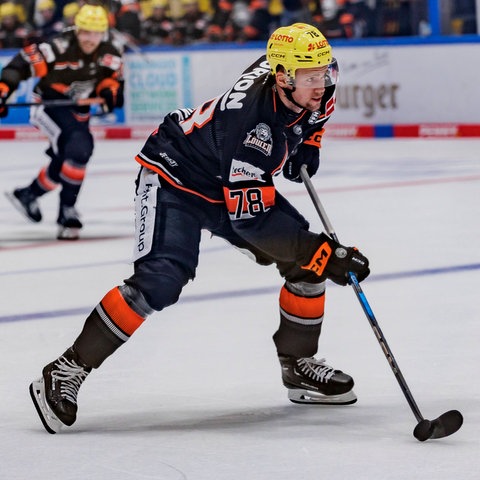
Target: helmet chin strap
[289,94]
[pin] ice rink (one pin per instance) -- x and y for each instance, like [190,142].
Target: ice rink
[196,393]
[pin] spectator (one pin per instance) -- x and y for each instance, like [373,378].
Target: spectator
[13,32]
[240,21]
[464,19]
[363,18]
[295,11]
[222,12]
[191,27]
[158,27]
[45,24]
[128,21]
[394,18]
[335,21]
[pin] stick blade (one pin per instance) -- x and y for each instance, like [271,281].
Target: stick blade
[443,426]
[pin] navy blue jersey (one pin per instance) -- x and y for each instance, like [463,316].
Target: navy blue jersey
[64,71]
[229,150]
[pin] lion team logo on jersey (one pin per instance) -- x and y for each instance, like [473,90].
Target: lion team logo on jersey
[260,138]
[243,171]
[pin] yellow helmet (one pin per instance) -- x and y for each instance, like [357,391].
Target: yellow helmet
[70,9]
[7,9]
[45,5]
[159,3]
[93,18]
[298,46]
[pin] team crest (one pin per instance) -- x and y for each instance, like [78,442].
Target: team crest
[260,138]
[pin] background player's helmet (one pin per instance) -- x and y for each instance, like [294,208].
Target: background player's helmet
[92,18]
[70,9]
[298,46]
[8,9]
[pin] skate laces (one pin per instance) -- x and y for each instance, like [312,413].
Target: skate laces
[316,369]
[70,376]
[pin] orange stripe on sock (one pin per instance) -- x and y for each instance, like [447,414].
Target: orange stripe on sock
[303,307]
[120,313]
[45,181]
[75,174]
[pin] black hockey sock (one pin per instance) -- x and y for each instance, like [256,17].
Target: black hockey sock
[296,340]
[108,327]
[96,342]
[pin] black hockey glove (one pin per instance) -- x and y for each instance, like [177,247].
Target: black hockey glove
[4,94]
[308,155]
[333,261]
[110,90]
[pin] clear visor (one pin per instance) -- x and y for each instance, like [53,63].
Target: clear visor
[320,77]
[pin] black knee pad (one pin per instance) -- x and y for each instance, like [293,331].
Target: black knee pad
[77,146]
[160,280]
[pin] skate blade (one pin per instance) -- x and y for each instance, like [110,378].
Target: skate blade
[66,233]
[297,395]
[19,207]
[50,421]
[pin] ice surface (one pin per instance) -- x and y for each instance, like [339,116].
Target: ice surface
[196,393]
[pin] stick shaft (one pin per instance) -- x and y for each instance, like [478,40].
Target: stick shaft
[60,102]
[363,300]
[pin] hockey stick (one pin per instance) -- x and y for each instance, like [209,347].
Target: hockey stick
[447,423]
[60,102]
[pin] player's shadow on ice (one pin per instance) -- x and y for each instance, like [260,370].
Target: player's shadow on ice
[311,419]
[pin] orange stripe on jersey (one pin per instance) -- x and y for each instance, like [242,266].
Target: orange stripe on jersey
[150,166]
[315,139]
[303,307]
[120,313]
[81,117]
[45,181]
[73,173]
[298,119]
[60,87]
[282,163]
[248,202]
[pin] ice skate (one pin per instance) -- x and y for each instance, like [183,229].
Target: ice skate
[312,381]
[26,203]
[69,223]
[55,393]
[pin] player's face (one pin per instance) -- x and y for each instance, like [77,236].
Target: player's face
[89,41]
[310,87]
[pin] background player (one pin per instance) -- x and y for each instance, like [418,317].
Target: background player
[78,64]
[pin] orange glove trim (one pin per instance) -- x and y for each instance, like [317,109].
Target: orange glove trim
[319,259]
[110,83]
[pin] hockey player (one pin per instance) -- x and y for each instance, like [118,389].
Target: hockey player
[213,168]
[78,64]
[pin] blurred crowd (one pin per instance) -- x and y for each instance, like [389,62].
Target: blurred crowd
[186,22]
